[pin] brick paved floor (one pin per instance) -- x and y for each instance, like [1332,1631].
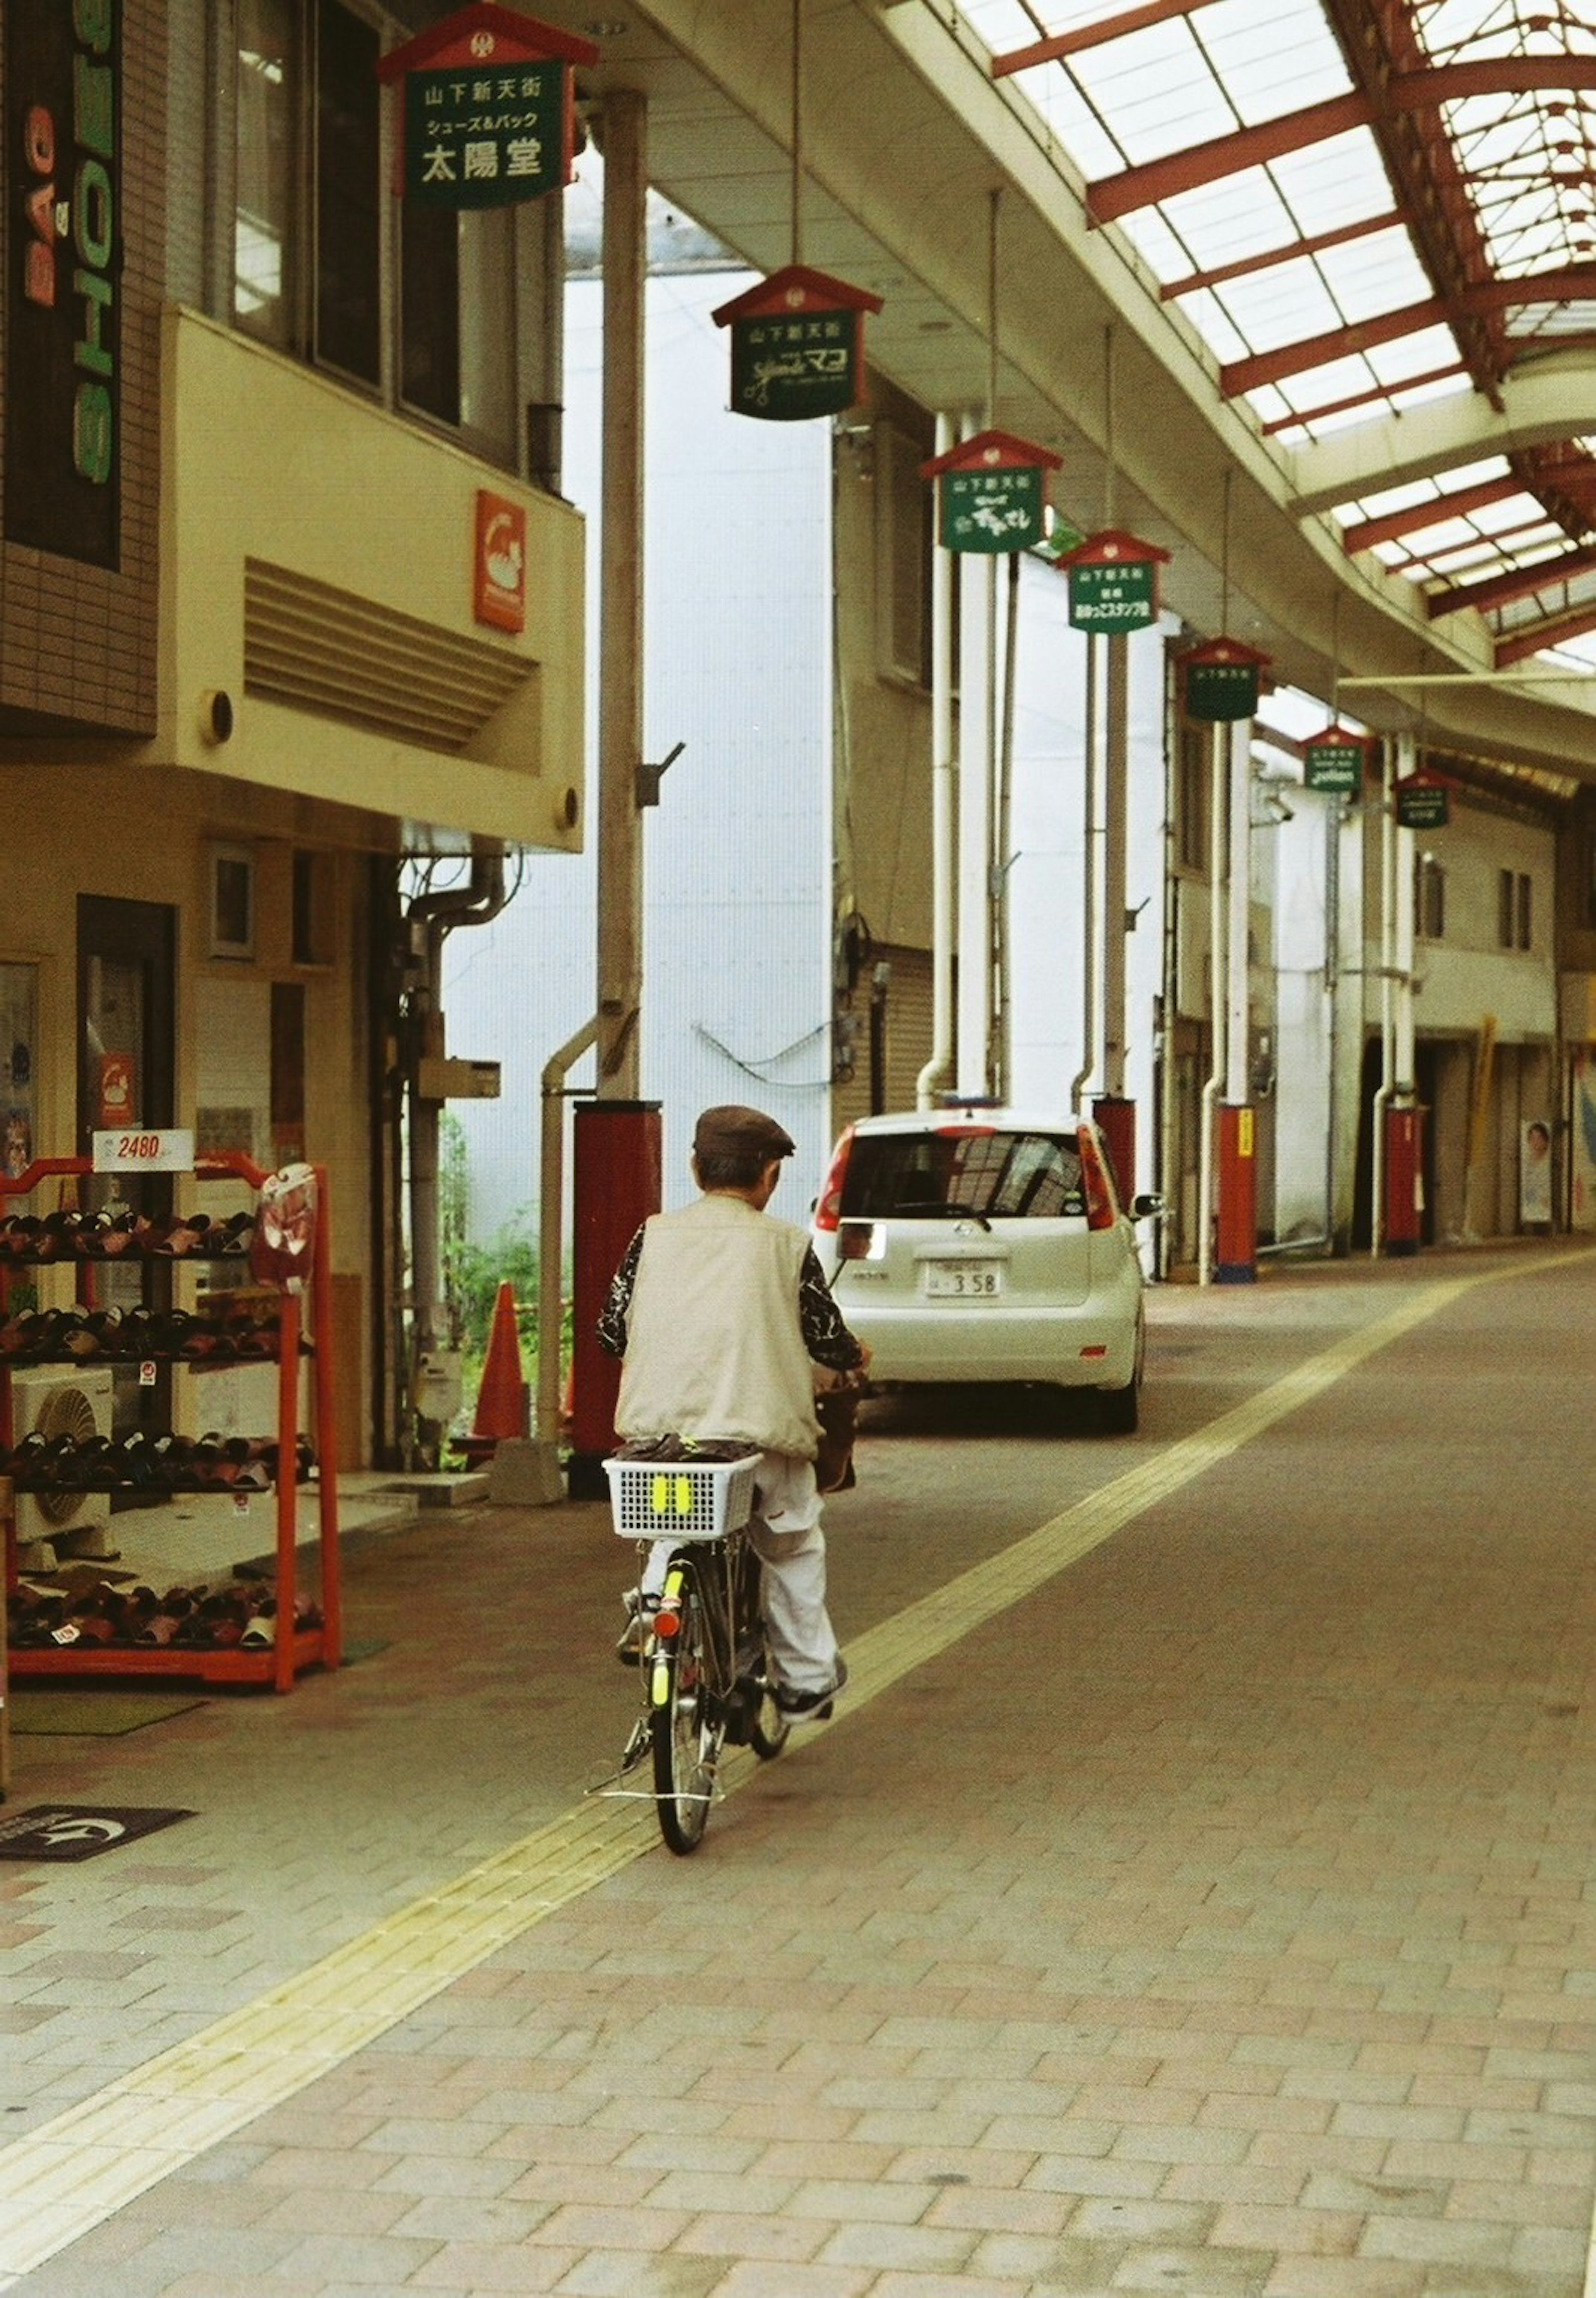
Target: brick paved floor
[1217,1922]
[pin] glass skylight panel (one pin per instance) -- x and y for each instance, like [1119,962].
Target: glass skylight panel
[1282,305]
[1241,215]
[1165,101]
[1337,181]
[1412,355]
[1066,111]
[1214,324]
[1371,276]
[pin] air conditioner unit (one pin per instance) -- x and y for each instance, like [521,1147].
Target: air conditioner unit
[61,1401]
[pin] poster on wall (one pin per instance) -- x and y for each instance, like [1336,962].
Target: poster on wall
[1535,1173]
[19,1023]
[1582,1139]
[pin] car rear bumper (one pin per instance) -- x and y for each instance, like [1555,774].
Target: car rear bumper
[955,1345]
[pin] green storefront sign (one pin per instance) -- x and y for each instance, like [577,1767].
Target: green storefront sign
[1334,766]
[1422,805]
[1217,692]
[1113,597]
[992,510]
[788,367]
[484,137]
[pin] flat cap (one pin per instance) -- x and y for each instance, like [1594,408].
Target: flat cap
[730,1130]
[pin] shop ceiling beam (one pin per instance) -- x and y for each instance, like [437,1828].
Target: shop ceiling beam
[1247,265]
[1058,45]
[1498,590]
[1113,196]
[1555,631]
[1575,283]
[1395,524]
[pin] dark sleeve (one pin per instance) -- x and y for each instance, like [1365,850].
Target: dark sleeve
[612,1324]
[826,1337]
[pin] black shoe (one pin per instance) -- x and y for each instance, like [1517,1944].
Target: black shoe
[810,1707]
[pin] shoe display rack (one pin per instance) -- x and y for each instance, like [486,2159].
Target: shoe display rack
[285,1328]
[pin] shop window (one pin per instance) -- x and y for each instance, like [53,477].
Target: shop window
[312,899]
[1429,899]
[232,901]
[1194,795]
[310,273]
[1514,912]
[903,557]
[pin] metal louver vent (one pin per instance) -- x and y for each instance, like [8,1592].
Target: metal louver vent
[316,648]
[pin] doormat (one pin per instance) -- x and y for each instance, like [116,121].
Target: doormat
[93,1714]
[66,1831]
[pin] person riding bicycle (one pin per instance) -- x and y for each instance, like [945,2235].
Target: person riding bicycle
[721,1315]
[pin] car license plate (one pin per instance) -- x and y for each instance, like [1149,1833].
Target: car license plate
[964,1280]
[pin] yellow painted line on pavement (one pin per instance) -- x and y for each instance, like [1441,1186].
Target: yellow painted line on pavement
[80,2168]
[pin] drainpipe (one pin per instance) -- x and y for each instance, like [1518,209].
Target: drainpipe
[933,1077]
[551,1243]
[437,915]
[1217,847]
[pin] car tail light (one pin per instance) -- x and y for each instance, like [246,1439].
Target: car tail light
[965,1132]
[1102,1212]
[828,1205]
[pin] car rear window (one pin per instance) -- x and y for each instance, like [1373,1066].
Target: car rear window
[938,1176]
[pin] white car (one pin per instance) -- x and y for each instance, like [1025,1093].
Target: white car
[971,1243]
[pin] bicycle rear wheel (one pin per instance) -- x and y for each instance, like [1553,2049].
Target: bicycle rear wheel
[686,1734]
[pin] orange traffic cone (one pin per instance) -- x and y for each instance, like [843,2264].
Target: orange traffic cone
[501,1402]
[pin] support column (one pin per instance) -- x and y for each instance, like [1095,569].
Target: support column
[620,831]
[617,1177]
[1236,1263]
[1115,1115]
[1403,1123]
[977,609]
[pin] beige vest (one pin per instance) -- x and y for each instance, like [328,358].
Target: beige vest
[713,1347]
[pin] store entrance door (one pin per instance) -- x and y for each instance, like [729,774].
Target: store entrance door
[126,1073]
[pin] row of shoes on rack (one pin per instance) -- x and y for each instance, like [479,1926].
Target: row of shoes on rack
[151,1461]
[131,1336]
[67,1235]
[243,1616]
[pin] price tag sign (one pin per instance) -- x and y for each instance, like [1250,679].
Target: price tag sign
[127,1149]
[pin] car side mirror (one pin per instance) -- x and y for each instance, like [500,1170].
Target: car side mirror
[1147,1206]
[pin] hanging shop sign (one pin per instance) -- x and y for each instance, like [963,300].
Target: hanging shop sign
[489,113]
[1334,762]
[1220,681]
[63,74]
[991,492]
[1113,582]
[1422,804]
[798,345]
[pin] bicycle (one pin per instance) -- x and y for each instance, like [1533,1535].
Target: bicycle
[703,1664]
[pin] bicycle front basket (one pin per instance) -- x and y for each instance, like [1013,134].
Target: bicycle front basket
[680,1499]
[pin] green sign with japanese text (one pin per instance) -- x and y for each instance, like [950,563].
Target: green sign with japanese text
[1219,691]
[482,137]
[1422,805]
[788,366]
[992,510]
[1334,766]
[1116,596]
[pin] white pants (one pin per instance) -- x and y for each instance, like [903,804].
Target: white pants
[786,1536]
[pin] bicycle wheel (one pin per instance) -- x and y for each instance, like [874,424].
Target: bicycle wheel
[686,1737]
